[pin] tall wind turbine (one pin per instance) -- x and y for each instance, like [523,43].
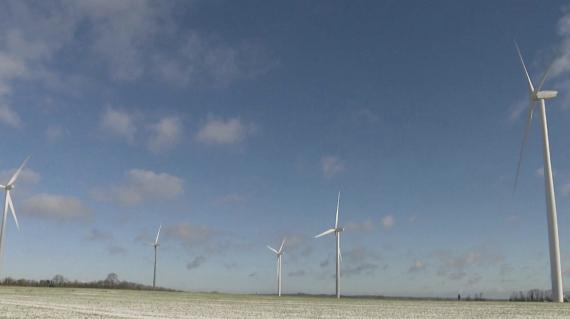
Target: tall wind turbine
[539,95]
[155,245]
[9,205]
[336,230]
[279,254]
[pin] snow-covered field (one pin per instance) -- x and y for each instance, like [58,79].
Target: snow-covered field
[90,303]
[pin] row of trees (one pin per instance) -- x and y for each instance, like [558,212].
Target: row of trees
[475,297]
[536,295]
[110,282]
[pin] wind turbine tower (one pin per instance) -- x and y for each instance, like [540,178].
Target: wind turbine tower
[8,204]
[279,254]
[539,95]
[336,230]
[155,245]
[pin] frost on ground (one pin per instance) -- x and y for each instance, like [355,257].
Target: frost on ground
[47,303]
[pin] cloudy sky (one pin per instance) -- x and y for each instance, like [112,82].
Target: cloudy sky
[234,124]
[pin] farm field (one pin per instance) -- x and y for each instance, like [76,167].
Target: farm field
[91,303]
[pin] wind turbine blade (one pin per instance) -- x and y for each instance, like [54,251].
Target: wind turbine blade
[272,249]
[337,207]
[11,205]
[282,244]
[330,231]
[525,137]
[15,176]
[530,86]
[545,75]
[157,234]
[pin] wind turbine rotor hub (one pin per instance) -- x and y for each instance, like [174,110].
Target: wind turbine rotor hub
[544,95]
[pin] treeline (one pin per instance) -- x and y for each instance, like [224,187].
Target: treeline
[58,281]
[534,295]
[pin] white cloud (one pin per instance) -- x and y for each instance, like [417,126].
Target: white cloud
[8,116]
[165,134]
[562,63]
[331,165]
[141,185]
[388,221]
[219,131]
[118,123]
[57,207]
[122,40]
[126,39]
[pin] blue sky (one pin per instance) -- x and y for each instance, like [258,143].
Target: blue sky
[234,124]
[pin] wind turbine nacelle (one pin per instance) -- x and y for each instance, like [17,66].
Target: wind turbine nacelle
[543,95]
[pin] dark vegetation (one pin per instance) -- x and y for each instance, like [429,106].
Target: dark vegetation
[534,295]
[58,281]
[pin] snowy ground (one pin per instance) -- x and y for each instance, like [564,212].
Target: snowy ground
[90,303]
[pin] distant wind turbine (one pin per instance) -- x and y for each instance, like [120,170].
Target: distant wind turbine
[155,245]
[8,204]
[336,230]
[538,95]
[279,254]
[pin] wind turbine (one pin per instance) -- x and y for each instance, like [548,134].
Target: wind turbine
[539,95]
[336,230]
[8,204]
[279,254]
[155,245]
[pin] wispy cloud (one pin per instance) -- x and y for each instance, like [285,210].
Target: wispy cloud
[417,266]
[118,123]
[141,185]
[388,221]
[27,176]
[454,265]
[165,134]
[98,235]
[224,132]
[54,133]
[9,116]
[196,262]
[297,273]
[55,207]
[189,235]
[231,200]
[365,226]
[331,166]
[116,250]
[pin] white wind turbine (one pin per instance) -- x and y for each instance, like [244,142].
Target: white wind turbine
[539,95]
[336,230]
[279,254]
[8,204]
[155,245]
